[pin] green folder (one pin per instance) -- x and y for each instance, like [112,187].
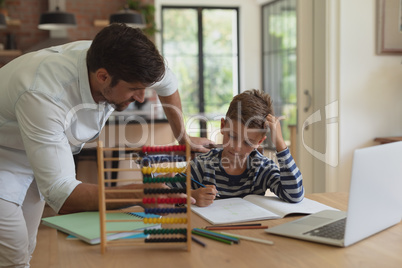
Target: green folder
[86,225]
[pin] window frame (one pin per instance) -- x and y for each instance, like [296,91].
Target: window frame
[200,83]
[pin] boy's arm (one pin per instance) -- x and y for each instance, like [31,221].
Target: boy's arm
[286,180]
[276,132]
[290,176]
[204,196]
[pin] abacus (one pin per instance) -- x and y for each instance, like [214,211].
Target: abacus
[180,237]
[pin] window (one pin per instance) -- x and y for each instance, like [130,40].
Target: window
[201,47]
[279,59]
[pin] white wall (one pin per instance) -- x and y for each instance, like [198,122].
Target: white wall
[250,35]
[370,86]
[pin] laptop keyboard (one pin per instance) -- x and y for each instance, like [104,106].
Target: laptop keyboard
[333,230]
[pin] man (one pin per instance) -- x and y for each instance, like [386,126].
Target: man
[52,102]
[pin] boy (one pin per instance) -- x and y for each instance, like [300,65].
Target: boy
[238,169]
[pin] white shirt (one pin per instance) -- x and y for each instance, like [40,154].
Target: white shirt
[47,114]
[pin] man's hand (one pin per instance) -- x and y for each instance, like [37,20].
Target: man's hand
[173,110]
[198,144]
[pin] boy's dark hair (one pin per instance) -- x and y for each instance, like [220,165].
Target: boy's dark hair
[127,54]
[251,107]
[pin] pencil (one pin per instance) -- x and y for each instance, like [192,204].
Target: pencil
[218,235]
[213,237]
[202,185]
[199,183]
[263,241]
[198,241]
[235,227]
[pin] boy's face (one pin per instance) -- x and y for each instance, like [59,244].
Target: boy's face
[239,141]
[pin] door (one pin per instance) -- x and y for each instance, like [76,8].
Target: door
[305,91]
[296,74]
[317,93]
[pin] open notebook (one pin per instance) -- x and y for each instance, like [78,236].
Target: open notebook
[253,208]
[86,226]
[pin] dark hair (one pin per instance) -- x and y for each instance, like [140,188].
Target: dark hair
[127,54]
[251,107]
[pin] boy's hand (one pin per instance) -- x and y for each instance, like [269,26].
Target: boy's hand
[276,132]
[204,196]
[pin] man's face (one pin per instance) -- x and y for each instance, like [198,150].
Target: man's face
[239,141]
[124,93]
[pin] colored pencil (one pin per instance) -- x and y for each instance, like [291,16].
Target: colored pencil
[213,237]
[202,185]
[219,235]
[235,228]
[199,183]
[249,238]
[234,225]
[198,241]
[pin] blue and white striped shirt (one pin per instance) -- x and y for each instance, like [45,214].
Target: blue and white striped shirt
[261,174]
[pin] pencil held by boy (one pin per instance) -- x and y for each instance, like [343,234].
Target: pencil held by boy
[239,169]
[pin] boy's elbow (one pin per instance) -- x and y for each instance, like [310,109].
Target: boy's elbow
[297,197]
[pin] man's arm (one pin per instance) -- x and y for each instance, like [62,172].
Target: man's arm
[85,197]
[172,107]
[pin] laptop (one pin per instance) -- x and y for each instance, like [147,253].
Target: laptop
[375,202]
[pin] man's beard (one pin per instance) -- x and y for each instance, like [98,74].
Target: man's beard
[119,107]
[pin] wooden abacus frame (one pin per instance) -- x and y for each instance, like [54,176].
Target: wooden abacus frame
[103,200]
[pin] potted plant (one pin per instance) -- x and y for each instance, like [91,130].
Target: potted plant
[148,11]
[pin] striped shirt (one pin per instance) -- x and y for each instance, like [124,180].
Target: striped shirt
[261,174]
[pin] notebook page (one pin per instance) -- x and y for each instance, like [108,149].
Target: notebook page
[232,210]
[282,208]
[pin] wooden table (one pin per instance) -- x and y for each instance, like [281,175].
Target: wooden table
[384,140]
[381,250]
